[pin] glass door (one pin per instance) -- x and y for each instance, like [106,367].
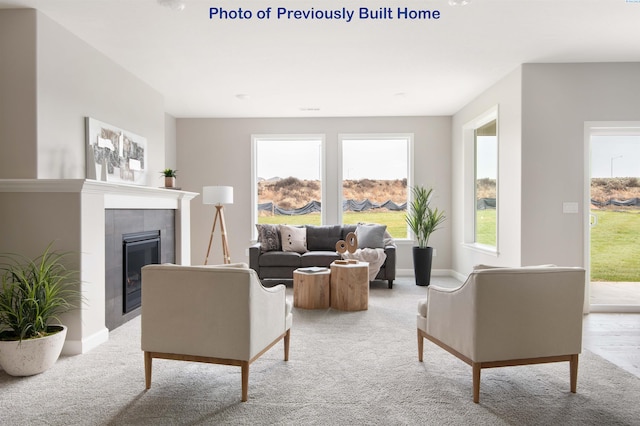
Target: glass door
[614,219]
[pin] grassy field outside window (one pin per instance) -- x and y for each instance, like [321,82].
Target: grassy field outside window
[615,241]
[615,246]
[395,222]
[486,227]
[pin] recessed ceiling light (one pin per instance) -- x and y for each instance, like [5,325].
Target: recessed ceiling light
[459,2]
[309,109]
[177,5]
[400,94]
[242,96]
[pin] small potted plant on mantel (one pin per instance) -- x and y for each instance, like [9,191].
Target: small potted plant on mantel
[169,178]
[423,221]
[33,292]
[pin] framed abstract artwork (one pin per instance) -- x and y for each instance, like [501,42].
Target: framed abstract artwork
[114,154]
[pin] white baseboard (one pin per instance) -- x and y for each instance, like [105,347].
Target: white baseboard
[434,273]
[77,347]
[404,272]
[614,309]
[460,277]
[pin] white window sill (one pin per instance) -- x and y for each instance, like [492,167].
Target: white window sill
[404,242]
[482,248]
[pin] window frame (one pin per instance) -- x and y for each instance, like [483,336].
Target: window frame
[255,139]
[470,201]
[409,137]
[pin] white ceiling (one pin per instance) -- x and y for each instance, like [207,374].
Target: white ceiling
[323,68]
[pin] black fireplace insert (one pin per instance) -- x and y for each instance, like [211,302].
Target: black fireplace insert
[139,249]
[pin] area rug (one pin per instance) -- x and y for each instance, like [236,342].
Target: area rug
[345,368]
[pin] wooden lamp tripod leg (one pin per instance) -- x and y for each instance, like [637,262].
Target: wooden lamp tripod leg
[225,245]
[213,228]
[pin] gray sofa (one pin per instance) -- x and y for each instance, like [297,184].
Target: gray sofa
[321,251]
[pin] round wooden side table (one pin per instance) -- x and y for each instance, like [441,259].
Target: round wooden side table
[350,286]
[311,289]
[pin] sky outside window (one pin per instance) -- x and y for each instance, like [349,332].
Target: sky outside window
[297,158]
[384,159]
[615,156]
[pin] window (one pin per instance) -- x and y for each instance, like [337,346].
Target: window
[613,194]
[480,159]
[376,171]
[287,179]
[485,183]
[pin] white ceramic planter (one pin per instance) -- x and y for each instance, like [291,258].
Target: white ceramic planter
[31,356]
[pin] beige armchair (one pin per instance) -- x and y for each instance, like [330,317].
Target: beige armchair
[213,314]
[507,316]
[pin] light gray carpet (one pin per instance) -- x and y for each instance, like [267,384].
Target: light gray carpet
[344,368]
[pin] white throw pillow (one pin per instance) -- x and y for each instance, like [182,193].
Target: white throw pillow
[293,238]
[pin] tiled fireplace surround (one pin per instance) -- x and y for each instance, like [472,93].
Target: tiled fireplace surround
[80,213]
[121,222]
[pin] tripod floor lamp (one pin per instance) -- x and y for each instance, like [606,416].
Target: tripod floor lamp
[218,195]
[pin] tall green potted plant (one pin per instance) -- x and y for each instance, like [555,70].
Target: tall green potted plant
[423,221]
[33,293]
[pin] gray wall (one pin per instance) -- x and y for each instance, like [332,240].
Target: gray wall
[50,81]
[18,126]
[75,80]
[557,101]
[170,155]
[506,94]
[218,152]
[30,221]
[542,157]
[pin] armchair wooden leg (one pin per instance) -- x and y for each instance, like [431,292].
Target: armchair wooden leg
[287,336]
[245,380]
[573,372]
[148,361]
[476,366]
[420,345]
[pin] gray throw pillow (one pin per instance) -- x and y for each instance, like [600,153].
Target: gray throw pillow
[269,237]
[370,235]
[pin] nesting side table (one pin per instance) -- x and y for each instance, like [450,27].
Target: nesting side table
[311,289]
[350,286]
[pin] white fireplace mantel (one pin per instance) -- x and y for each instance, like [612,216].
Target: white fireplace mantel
[116,195]
[75,211]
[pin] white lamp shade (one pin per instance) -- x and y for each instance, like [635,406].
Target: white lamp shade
[217,195]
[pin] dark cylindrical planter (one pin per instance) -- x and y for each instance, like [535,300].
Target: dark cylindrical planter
[422,264]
